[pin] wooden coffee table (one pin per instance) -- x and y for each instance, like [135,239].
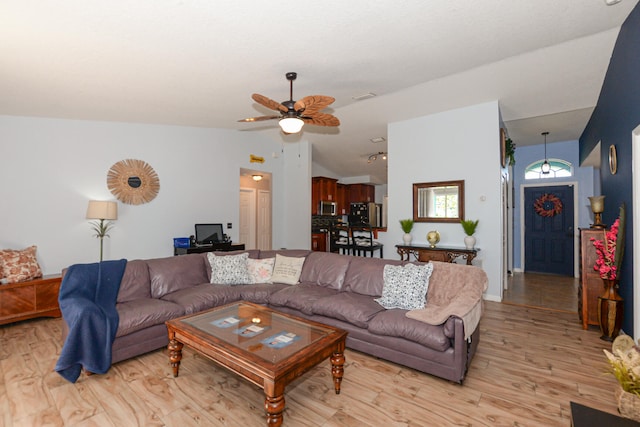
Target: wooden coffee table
[264,346]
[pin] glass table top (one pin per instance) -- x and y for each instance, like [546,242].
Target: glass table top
[270,335]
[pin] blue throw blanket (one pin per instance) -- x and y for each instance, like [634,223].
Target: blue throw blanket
[87,300]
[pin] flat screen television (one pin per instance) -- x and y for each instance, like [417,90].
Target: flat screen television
[209,233]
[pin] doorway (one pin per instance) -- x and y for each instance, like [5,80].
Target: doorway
[536,285]
[255,219]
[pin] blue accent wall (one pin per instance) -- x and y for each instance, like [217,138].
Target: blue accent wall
[616,115]
[584,176]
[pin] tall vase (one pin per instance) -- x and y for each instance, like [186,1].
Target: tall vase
[610,310]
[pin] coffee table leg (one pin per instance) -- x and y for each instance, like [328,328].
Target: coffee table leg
[273,403]
[337,366]
[175,355]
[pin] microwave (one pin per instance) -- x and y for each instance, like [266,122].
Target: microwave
[327,208]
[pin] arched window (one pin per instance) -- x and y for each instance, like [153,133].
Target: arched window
[559,169]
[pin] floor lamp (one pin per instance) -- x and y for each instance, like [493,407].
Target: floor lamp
[101,211]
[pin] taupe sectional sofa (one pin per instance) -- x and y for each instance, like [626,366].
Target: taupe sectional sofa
[337,290]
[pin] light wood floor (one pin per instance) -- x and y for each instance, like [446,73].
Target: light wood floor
[543,291]
[530,364]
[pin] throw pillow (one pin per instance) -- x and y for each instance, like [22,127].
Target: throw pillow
[260,270]
[287,270]
[19,265]
[229,269]
[406,286]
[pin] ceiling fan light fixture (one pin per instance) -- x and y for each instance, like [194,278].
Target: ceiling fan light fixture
[291,124]
[372,158]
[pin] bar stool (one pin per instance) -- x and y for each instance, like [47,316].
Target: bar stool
[362,237]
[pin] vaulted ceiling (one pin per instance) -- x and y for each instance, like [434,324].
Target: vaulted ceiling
[196,63]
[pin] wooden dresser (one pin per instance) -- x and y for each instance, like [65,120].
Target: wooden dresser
[591,285]
[27,300]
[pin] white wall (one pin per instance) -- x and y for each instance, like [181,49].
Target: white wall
[52,167]
[452,145]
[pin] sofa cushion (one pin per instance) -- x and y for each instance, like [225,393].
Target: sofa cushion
[405,286]
[135,282]
[177,272]
[365,275]
[395,323]
[202,297]
[260,293]
[260,270]
[287,270]
[348,306]
[325,269]
[301,297]
[143,313]
[230,269]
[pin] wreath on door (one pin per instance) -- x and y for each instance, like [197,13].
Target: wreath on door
[548,205]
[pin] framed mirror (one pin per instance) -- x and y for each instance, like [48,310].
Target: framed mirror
[438,201]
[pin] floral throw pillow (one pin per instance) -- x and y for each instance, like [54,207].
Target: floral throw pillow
[405,287]
[229,269]
[260,270]
[19,265]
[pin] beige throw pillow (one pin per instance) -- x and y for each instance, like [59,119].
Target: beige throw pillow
[287,270]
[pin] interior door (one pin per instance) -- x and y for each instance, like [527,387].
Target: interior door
[247,227]
[549,229]
[264,220]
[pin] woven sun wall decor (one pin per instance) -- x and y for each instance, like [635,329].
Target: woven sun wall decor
[133,182]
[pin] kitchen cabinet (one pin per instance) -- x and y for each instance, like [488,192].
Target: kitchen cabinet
[591,285]
[319,242]
[361,193]
[322,188]
[342,199]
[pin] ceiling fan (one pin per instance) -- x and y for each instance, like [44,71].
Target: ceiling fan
[294,114]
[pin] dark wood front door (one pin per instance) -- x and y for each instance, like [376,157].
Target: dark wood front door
[549,230]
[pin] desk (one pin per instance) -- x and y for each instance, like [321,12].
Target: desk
[439,253]
[220,247]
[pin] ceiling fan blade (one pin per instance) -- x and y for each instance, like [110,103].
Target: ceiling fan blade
[269,103]
[259,118]
[321,119]
[314,103]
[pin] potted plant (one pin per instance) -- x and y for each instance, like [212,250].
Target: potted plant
[469,226]
[407,226]
[624,361]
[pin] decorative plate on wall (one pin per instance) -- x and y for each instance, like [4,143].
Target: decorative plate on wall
[133,182]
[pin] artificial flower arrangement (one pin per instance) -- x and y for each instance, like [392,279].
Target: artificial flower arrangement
[624,361]
[611,249]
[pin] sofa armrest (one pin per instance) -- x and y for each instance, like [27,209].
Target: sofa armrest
[449,326]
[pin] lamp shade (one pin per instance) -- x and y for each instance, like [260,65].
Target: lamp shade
[99,209]
[291,124]
[597,204]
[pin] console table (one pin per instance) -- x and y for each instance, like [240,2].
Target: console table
[439,253]
[220,247]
